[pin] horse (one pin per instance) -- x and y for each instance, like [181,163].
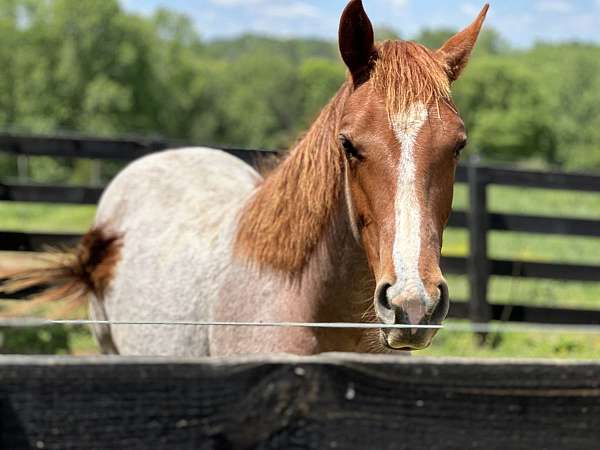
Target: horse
[347,226]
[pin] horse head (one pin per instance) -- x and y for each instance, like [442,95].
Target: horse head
[402,137]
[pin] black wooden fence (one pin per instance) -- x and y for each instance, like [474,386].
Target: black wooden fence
[326,402]
[478,220]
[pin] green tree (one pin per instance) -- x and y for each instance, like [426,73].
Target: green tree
[569,76]
[319,79]
[383,33]
[263,102]
[434,37]
[94,68]
[505,111]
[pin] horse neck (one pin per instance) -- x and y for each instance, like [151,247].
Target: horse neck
[297,227]
[337,283]
[297,222]
[288,216]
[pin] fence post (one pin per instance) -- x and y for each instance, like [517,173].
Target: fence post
[23,168]
[96,172]
[477,262]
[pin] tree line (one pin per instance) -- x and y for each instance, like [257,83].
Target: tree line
[92,67]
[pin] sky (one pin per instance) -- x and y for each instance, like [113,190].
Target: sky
[522,23]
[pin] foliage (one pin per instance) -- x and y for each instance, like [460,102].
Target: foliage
[34,340]
[569,78]
[93,68]
[505,110]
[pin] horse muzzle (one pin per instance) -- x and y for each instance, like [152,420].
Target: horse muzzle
[408,308]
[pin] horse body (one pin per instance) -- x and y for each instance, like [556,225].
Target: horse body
[187,209]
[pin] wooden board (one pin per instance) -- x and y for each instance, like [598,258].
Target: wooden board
[40,193]
[521,312]
[127,149]
[331,401]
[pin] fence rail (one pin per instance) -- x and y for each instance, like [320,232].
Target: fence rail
[479,221]
[124,149]
[332,401]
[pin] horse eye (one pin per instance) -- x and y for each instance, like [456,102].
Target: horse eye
[459,148]
[349,149]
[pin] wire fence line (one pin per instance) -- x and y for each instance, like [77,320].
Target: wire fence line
[29,322]
[490,327]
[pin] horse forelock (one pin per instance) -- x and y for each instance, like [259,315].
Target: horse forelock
[406,73]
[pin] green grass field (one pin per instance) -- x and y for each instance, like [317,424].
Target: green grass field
[35,217]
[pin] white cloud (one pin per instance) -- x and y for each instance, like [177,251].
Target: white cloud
[554,6]
[283,9]
[230,3]
[468,9]
[292,10]
[242,3]
[397,3]
[272,17]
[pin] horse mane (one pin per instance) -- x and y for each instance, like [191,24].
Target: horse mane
[286,218]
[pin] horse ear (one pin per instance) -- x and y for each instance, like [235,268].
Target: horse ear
[356,40]
[456,51]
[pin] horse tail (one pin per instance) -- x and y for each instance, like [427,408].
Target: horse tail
[72,274]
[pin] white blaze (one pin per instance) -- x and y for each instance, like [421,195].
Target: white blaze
[407,237]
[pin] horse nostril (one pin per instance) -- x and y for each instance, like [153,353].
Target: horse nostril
[382,297]
[443,304]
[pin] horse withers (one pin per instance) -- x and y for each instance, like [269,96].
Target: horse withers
[346,228]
